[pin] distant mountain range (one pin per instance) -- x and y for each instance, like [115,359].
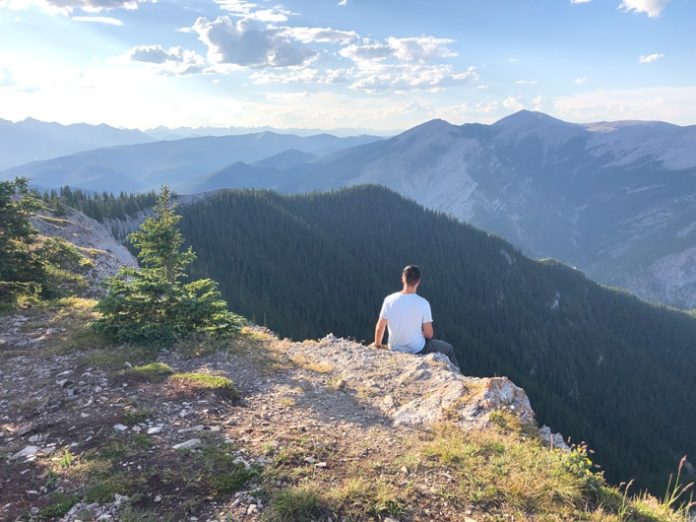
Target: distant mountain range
[177,163]
[33,140]
[615,199]
[177,133]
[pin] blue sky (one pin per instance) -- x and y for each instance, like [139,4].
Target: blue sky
[377,64]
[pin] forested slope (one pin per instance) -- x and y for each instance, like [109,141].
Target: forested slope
[599,365]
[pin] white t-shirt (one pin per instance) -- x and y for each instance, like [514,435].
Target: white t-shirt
[405,315]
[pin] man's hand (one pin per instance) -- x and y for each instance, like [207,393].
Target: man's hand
[379,332]
[428,330]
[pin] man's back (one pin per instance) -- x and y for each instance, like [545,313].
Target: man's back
[405,314]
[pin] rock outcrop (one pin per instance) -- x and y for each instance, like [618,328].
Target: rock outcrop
[418,390]
[107,254]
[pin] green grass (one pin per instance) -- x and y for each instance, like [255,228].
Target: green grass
[227,482]
[103,491]
[509,472]
[150,372]
[115,357]
[359,497]
[121,448]
[66,458]
[60,504]
[203,381]
[296,504]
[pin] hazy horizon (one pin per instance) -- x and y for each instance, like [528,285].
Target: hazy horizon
[341,131]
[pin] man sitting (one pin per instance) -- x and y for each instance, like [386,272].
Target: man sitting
[410,321]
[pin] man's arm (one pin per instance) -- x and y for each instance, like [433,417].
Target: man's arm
[428,330]
[379,331]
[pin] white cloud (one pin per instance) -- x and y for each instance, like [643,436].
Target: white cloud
[488,107]
[513,103]
[580,1]
[245,43]
[251,11]
[306,75]
[673,104]
[412,50]
[399,77]
[650,58]
[421,49]
[366,52]
[537,103]
[397,64]
[526,82]
[512,60]
[580,81]
[319,35]
[342,3]
[66,7]
[409,77]
[174,60]
[98,20]
[653,8]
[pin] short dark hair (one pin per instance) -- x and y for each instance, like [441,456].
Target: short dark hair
[412,274]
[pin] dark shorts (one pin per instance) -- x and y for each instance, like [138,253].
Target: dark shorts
[437,346]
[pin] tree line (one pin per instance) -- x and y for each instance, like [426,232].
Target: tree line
[100,206]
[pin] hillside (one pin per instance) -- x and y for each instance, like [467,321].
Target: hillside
[599,365]
[261,429]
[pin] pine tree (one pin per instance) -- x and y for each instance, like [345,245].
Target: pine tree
[154,304]
[21,269]
[159,241]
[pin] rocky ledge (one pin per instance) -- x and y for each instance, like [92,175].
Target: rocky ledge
[418,390]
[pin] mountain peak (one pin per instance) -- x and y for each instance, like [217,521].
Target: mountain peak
[428,129]
[435,123]
[527,117]
[526,124]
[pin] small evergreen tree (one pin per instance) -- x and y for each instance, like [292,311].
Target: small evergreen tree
[21,269]
[154,304]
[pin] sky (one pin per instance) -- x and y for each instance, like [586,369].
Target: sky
[384,65]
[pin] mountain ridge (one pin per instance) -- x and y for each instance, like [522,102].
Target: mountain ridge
[33,140]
